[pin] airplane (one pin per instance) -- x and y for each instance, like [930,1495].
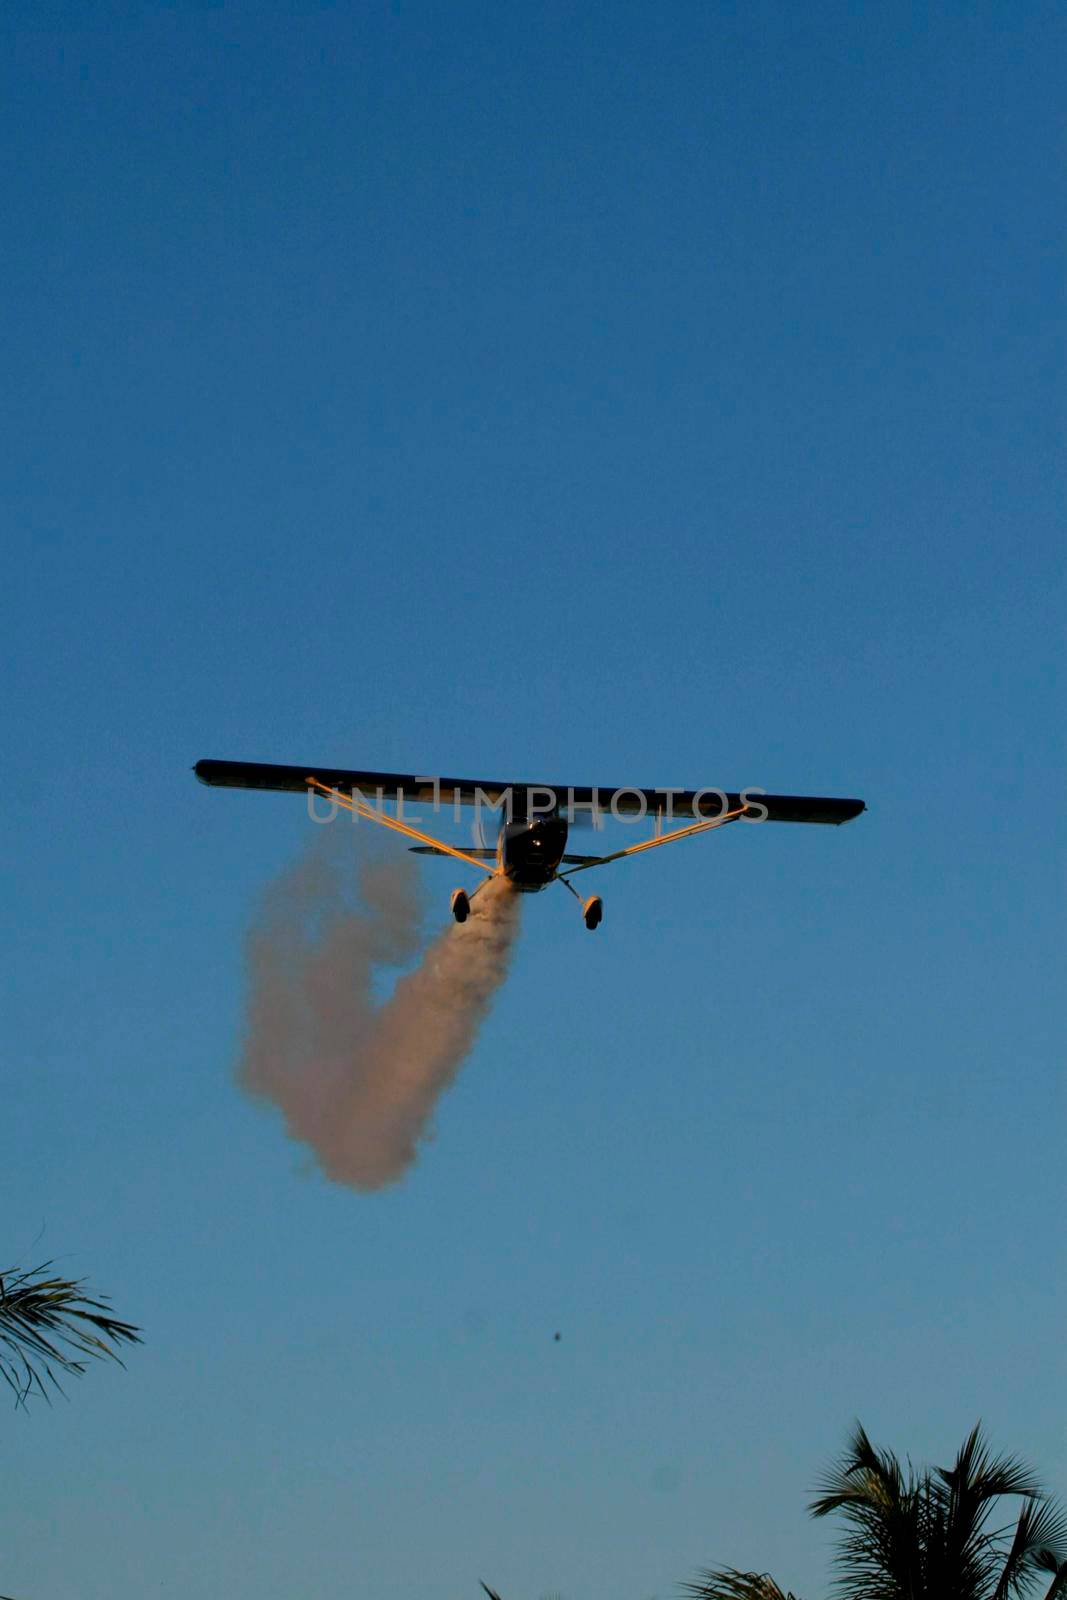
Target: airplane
[535,817]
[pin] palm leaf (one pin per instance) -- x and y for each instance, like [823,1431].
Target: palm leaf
[1039,1545]
[880,1556]
[727,1583]
[1045,1561]
[49,1326]
[963,1551]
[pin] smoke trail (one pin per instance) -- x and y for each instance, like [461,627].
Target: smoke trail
[357,1079]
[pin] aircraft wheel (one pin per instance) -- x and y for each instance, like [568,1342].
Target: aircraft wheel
[593,911]
[461,905]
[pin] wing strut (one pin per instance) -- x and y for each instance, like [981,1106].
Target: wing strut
[660,838]
[362,809]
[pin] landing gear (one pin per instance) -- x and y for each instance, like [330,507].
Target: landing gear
[461,905]
[592,909]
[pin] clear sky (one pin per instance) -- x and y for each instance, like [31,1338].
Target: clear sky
[622,393]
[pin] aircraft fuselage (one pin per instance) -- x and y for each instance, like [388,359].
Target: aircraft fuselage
[528,853]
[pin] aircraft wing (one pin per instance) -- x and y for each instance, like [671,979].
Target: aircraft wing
[623,801]
[435,850]
[490,855]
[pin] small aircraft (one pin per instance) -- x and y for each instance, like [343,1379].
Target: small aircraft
[535,817]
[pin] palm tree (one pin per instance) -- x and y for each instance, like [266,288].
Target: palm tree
[49,1326]
[927,1535]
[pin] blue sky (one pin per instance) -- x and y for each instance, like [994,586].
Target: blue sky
[622,394]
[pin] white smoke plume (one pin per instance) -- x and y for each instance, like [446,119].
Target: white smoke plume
[356,1077]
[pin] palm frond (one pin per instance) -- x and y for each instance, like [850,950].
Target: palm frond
[49,1326]
[880,1555]
[864,1478]
[1039,1545]
[962,1498]
[1045,1561]
[985,1476]
[964,1554]
[727,1583]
